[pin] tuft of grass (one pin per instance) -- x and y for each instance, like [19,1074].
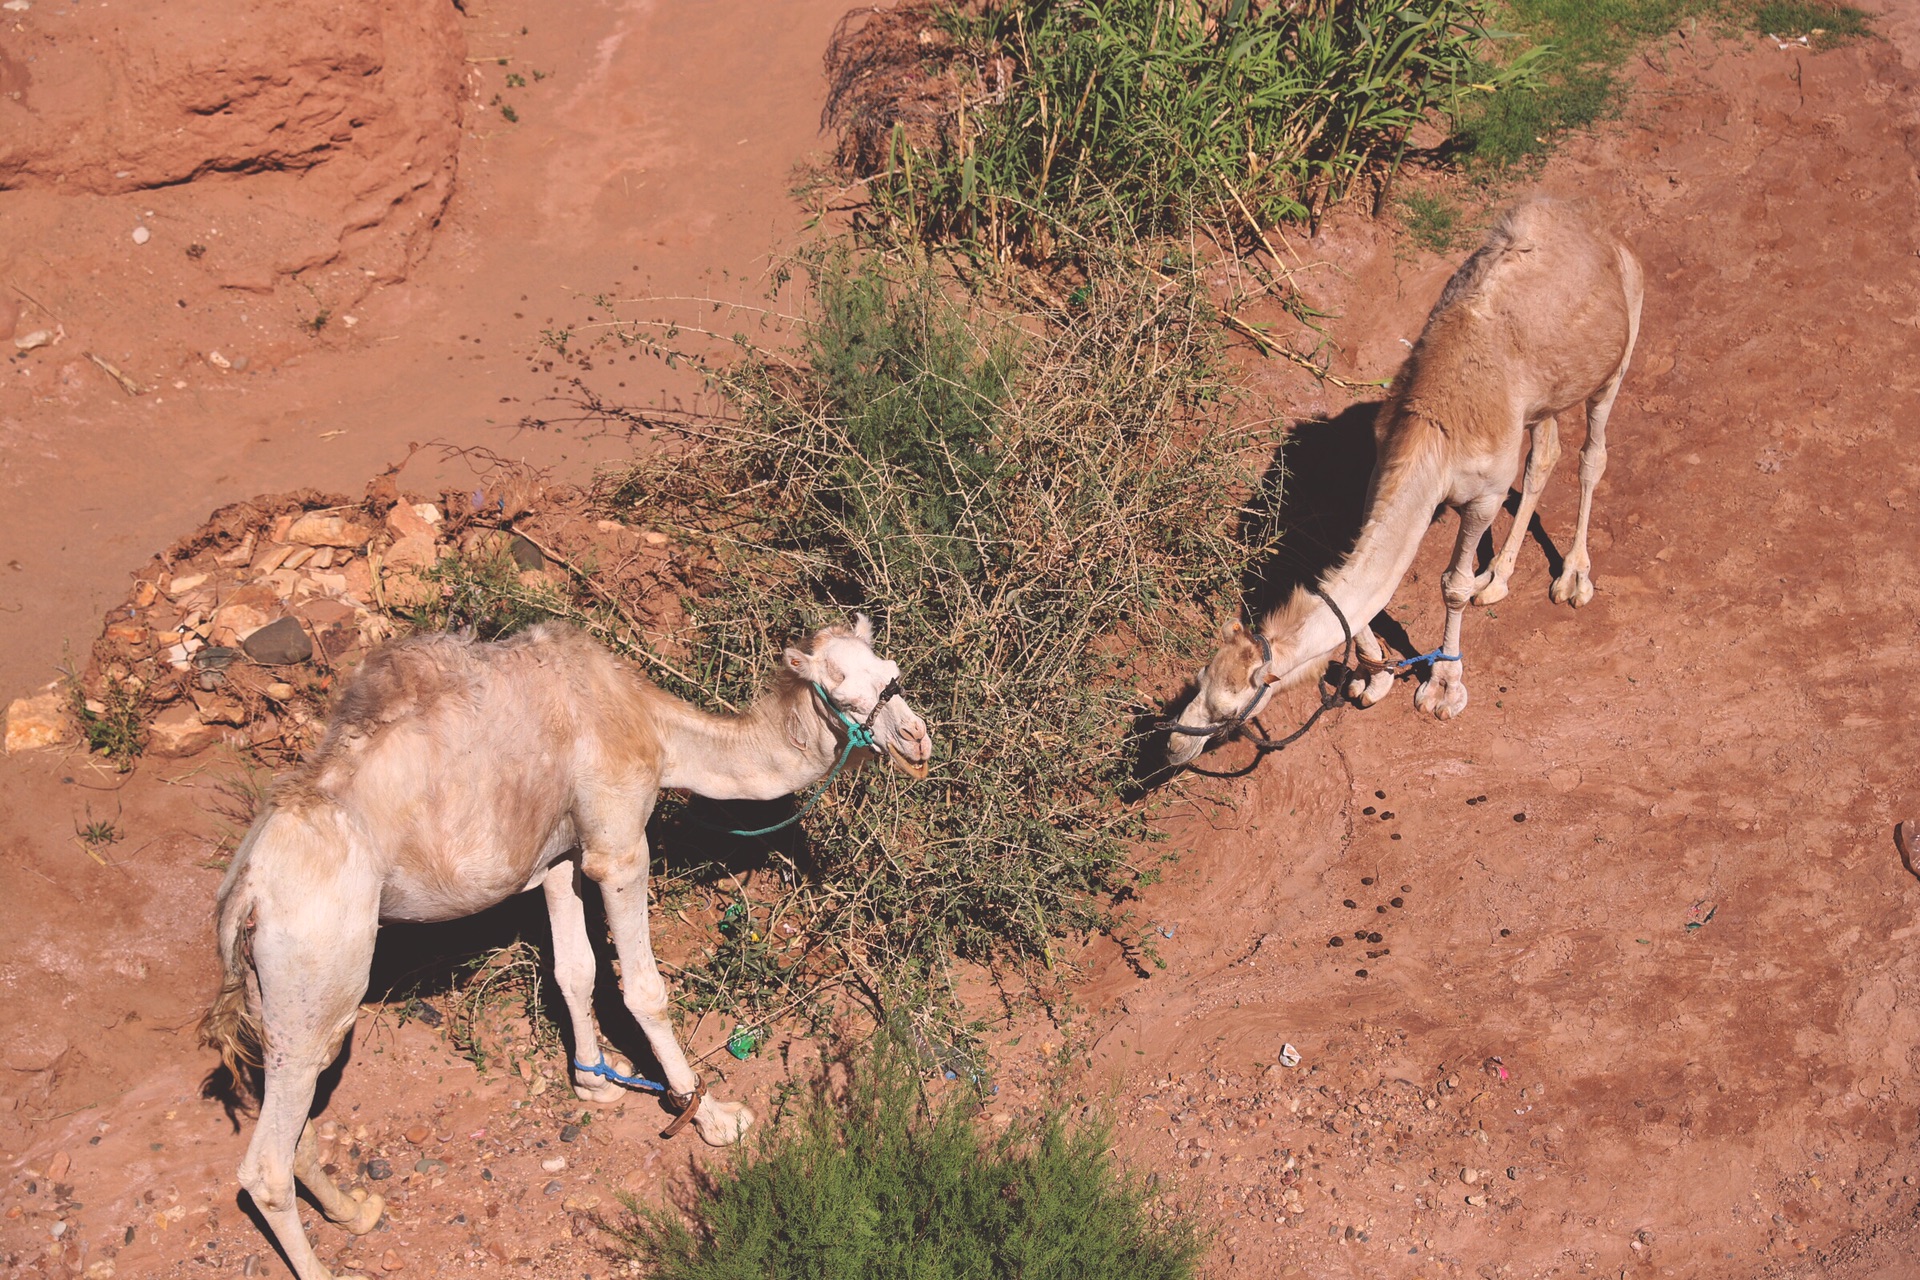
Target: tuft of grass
[879,1180]
[1578,47]
[1827,24]
[114,724]
[1432,220]
[1147,116]
[483,592]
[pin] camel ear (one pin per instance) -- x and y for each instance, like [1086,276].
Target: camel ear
[800,663]
[1230,629]
[863,628]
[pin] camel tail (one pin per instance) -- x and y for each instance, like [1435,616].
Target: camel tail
[231,1026]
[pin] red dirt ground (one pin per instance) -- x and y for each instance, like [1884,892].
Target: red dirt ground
[1720,731]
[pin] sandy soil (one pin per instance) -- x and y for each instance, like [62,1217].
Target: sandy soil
[1715,741]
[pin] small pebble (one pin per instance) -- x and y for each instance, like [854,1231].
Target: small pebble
[1387,816]
[1506,933]
[1369,811]
[378,1170]
[1373,937]
[1379,795]
[1519,817]
[1381,910]
[1513,1174]
[568,1132]
[141,235]
[392,1261]
[1396,902]
[1360,934]
[555,1164]
[429,1165]
[1348,902]
[552,1188]
[1336,942]
[1476,1201]
[1359,973]
[1366,879]
[419,1133]
[1406,888]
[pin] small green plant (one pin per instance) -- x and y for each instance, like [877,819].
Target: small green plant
[1432,220]
[95,835]
[114,724]
[508,114]
[484,592]
[499,1013]
[880,1180]
[515,80]
[1826,24]
[318,321]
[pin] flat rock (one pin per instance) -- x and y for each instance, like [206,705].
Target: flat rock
[233,623]
[413,551]
[326,529]
[179,731]
[279,643]
[37,722]
[408,519]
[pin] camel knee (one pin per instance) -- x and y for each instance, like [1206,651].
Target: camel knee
[1593,461]
[646,996]
[270,1183]
[1457,588]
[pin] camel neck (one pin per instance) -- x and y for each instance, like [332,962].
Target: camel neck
[778,746]
[1406,486]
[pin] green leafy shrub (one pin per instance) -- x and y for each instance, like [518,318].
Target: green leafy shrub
[1146,115]
[1024,504]
[878,1182]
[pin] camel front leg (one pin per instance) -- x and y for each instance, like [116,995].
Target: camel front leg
[623,885]
[575,970]
[1367,688]
[1541,458]
[1445,692]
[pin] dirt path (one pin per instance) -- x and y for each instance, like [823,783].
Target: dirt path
[1718,740]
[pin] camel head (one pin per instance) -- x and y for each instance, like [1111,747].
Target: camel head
[1231,689]
[861,684]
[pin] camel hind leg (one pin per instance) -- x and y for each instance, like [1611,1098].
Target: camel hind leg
[311,956]
[1574,586]
[1541,457]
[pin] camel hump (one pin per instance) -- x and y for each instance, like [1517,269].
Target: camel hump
[1515,245]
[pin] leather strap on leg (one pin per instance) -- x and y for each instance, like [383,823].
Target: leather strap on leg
[689,1104]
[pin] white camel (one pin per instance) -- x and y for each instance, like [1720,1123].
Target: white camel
[1540,320]
[456,774]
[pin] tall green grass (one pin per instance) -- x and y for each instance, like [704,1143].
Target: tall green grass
[875,1182]
[1149,114]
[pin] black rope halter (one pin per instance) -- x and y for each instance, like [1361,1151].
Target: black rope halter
[1332,687]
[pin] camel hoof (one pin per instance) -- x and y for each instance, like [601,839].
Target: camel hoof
[367,1216]
[1444,695]
[1573,588]
[1365,693]
[1493,593]
[599,1089]
[721,1124]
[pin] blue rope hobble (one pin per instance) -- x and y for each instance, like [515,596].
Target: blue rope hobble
[606,1072]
